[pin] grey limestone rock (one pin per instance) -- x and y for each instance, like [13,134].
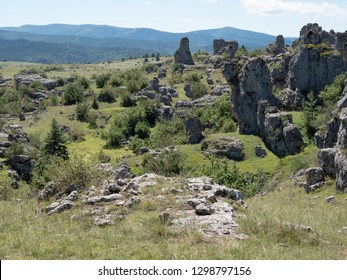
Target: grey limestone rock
[341,171]
[326,160]
[221,46]
[314,179]
[194,130]
[183,54]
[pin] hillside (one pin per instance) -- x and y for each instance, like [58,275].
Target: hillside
[125,42]
[150,159]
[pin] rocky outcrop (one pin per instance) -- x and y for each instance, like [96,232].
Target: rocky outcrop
[341,171]
[312,68]
[221,46]
[326,160]
[27,80]
[201,203]
[278,47]
[318,61]
[253,107]
[249,85]
[229,147]
[183,54]
[194,130]
[23,165]
[314,179]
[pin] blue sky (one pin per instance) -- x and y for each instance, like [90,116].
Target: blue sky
[269,16]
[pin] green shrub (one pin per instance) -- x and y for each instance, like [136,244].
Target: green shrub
[102,80]
[231,176]
[126,100]
[168,133]
[83,82]
[76,171]
[135,144]
[72,93]
[142,130]
[199,89]
[218,117]
[82,111]
[167,163]
[107,94]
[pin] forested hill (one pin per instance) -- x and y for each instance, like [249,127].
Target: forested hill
[94,43]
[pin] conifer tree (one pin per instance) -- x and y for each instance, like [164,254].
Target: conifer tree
[55,143]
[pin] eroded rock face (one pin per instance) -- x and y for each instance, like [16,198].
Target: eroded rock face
[183,54]
[221,46]
[253,107]
[341,171]
[194,130]
[250,85]
[326,160]
[278,46]
[313,69]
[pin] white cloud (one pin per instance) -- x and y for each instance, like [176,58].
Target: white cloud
[210,1]
[278,7]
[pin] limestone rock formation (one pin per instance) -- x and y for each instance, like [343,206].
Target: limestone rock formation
[341,171]
[250,85]
[194,130]
[278,46]
[183,54]
[27,80]
[221,46]
[253,107]
[229,147]
[314,179]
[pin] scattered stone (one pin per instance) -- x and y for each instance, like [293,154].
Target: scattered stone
[203,210]
[106,198]
[166,218]
[260,151]
[132,201]
[48,191]
[63,206]
[330,199]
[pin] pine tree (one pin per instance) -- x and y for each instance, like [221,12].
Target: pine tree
[55,144]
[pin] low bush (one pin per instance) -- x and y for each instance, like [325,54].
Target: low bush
[231,176]
[167,164]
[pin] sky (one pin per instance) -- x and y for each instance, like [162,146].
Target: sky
[273,17]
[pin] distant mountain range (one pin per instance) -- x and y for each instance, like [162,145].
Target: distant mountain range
[63,43]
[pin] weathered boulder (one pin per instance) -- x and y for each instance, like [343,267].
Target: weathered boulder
[260,151]
[341,171]
[326,160]
[314,179]
[221,46]
[229,147]
[183,54]
[194,130]
[23,165]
